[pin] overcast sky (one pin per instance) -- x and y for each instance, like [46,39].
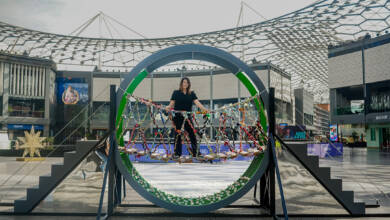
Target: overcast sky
[158,18]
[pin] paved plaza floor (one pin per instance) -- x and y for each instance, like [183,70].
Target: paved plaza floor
[364,171]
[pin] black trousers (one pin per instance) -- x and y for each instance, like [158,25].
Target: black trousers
[178,121]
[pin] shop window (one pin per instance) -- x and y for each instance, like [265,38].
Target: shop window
[373,134]
[350,100]
[22,107]
[379,97]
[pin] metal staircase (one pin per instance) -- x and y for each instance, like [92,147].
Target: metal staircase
[58,173]
[322,175]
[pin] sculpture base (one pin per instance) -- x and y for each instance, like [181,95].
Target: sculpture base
[27,159]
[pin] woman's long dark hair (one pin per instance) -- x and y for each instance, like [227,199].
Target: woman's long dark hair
[189,85]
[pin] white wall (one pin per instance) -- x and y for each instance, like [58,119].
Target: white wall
[263,75]
[345,70]
[143,89]
[225,86]
[164,87]
[101,88]
[377,61]
[201,86]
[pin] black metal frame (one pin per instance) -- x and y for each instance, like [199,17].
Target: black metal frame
[115,184]
[115,178]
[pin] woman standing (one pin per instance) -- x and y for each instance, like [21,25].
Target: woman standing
[181,100]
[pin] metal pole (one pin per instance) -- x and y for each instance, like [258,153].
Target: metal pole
[112,168]
[272,162]
[267,181]
[366,100]
[211,105]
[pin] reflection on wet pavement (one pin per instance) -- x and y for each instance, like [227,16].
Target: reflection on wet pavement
[364,171]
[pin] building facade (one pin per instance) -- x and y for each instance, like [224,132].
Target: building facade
[74,104]
[359,81]
[214,88]
[321,119]
[27,91]
[304,110]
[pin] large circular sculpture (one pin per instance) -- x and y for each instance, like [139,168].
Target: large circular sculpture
[204,203]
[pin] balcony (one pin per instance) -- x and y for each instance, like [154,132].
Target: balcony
[26,113]
[348,111]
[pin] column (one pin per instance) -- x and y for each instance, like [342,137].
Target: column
[40,81]
[29,80]
[36,81]
[43,81]
[12,71]
[25,76]
[47,93]
[45,130]
[17,78]
[22,79]
[6,71]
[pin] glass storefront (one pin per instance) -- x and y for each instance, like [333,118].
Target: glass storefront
[24,107]
[379,94]
[350,100]
[385,142]
[353,135]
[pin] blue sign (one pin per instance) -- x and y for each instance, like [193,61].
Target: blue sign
[290,132]
[73,93]
[23,127]
[61,80]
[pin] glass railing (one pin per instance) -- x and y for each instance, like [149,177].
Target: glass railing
[26,113]
[379,103]
[348,111]
[370,109]
[378,108]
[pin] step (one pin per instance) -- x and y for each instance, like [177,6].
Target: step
[57,168]
[20,204]
[299,149]
[360,208]
[311,161]
[46,181]
[324,172]
[33,193]
[83,147]
[335,184]
[323,175]
[71,155]
[347,196]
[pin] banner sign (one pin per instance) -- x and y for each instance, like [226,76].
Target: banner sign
[73,93]
[333,133]
[23,127]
